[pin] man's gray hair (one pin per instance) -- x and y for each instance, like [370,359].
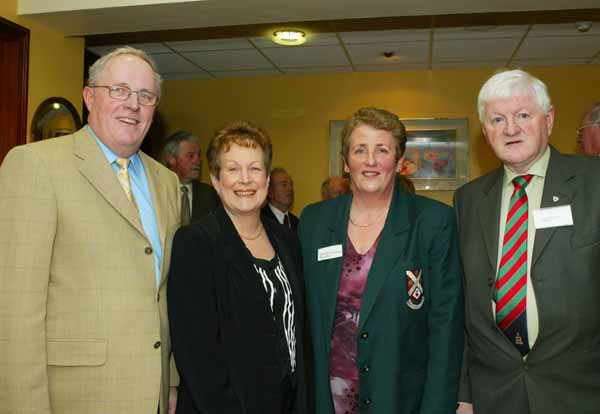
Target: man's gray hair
[511,83]
[172,144]
[276,170]
[98,67]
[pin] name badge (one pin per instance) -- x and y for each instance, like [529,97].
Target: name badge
[329,252]
[552,217]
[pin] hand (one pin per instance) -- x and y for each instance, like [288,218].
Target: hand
[464,408]
[172,400]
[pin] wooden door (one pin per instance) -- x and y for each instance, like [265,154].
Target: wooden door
[14,72]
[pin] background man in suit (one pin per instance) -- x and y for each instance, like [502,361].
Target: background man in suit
[281,199]
[530,246]
[86,225]
[182,155]
[588,133]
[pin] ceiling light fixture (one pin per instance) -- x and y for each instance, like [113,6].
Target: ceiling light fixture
[289,37]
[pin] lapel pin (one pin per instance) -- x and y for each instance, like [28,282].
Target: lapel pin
[555,198]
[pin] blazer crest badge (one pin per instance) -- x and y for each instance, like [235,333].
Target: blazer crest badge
[414,286]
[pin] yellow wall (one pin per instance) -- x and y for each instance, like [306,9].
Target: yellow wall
[55,62]
[296,111]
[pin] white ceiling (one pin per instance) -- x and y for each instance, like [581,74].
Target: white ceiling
[102,16]
[473,47]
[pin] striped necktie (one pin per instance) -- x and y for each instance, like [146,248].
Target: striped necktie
[511,283]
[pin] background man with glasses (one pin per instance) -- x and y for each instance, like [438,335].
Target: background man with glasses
[588,133]
[86,224]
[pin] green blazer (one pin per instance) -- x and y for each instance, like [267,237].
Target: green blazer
[408,359]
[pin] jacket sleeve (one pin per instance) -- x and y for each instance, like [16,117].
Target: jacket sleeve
[28,220]
[195,324]
[446,319]
[464,389]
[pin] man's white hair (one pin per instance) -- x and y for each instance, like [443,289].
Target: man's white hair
[511,83]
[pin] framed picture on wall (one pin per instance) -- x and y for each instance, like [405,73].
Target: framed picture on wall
[436,152]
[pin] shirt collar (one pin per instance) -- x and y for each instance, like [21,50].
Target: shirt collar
[278,213]
[111,156]
[537,169]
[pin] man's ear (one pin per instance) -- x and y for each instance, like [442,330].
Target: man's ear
[550,120]
[170,161]
[88,98]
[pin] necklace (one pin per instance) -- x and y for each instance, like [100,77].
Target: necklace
[253,237]
[368,224]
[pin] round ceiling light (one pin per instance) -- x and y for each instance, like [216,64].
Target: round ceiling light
[289,37]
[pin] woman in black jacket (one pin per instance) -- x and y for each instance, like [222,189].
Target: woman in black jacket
[235,294]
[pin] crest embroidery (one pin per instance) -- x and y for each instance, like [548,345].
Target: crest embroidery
[414,285]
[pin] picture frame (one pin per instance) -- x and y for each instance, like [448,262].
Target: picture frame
[436,155]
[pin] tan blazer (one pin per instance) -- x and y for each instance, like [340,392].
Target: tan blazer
[83,326]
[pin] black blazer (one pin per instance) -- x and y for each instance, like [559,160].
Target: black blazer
[223,332]
[204,200]
[294,221]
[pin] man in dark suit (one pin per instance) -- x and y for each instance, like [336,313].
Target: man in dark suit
[280,199]
[530,246]
[182,154]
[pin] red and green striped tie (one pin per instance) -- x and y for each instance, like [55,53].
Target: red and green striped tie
[511,282]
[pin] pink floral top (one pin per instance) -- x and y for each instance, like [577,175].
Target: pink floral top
[343,371]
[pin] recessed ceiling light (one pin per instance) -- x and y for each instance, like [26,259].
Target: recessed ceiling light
[289,37]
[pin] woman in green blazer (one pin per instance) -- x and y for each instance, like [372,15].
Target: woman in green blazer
[383,285]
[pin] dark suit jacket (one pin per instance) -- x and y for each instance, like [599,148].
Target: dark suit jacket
[267,212]
[562,371]
[204,200]
[223,329]
[408,359]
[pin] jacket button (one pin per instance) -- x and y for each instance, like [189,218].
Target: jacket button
[364,335]
[158,297]
[156,344]
[367,401]
[148,250]
[366,368]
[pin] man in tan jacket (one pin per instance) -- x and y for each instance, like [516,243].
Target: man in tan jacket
[86,224]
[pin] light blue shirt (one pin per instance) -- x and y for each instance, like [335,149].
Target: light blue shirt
[143,199]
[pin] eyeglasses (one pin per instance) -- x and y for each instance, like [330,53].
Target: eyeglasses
[122,93]
[584,126]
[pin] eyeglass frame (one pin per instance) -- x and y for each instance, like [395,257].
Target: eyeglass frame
[130,91]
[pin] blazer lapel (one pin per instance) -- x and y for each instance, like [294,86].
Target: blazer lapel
[398,221]
[96,169]
[329,278]
[489,216]
[556,187]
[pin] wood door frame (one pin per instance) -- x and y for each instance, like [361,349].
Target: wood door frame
[18,38]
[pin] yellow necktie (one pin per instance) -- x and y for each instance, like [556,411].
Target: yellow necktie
[123,177]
